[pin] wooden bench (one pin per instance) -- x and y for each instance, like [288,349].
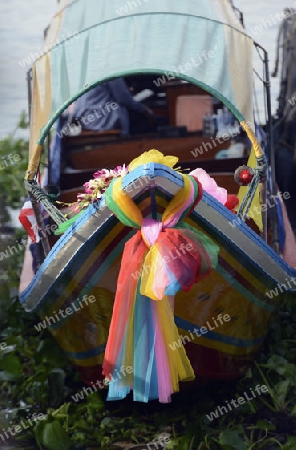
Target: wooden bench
[87,137]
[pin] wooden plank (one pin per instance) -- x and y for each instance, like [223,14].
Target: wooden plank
[75,179]
[70,195]
[220,168]
[87,137]
[122,152]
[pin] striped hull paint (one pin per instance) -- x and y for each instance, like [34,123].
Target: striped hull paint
[86,260]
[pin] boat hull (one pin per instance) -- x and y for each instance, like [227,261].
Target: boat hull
[81,272]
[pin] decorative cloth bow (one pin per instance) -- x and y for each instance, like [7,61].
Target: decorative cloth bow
[162,258]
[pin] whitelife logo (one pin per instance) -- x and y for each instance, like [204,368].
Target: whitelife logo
[13,250]
[129,6]
[200,331]
[169,257]
[41,51]
[183,68]
[221,410]
[9,160]
[23,425]
[86,391]
[275,292]
[63,313]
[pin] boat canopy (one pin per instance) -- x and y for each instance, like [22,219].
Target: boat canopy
[91,41]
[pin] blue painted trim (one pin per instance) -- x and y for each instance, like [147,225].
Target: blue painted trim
[159,170]
[213,336]
[87,354]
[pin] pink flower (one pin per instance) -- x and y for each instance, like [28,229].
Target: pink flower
[209,185]
[94,188]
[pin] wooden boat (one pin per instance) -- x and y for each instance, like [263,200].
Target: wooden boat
[85,261]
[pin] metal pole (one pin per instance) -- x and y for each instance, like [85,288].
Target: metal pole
[241,15]
[271,156]
[271,213]
[48,160]
[29,86]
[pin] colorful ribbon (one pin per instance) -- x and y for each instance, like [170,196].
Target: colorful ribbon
[162,258]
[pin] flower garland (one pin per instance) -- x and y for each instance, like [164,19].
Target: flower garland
[96,187]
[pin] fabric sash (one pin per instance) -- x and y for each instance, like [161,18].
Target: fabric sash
[162,258]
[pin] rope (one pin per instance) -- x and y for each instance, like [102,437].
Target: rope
[260,174]
[41,197]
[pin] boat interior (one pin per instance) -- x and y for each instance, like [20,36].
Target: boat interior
[184,105]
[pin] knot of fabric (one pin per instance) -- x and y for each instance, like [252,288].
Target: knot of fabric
[150,231]
[177,209]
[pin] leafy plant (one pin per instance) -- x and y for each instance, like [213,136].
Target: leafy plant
[13,164]
[35,377]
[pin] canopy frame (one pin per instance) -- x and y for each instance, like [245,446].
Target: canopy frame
[36,191]
[33,166]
